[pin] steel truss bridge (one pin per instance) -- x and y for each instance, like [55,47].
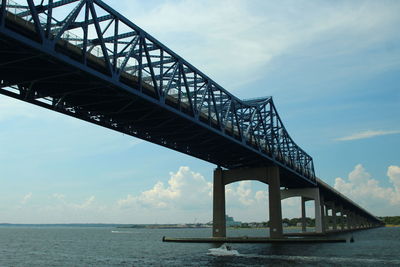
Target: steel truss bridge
[84,59]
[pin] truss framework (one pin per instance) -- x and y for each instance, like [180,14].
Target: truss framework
[92,34]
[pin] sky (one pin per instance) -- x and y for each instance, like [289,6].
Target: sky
[332,68]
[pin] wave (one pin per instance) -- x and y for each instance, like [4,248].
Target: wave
[123,232]
[311,259]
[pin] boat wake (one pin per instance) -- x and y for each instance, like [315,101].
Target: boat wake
[123,232]
[224,250]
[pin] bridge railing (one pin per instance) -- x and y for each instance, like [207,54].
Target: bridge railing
[94,34]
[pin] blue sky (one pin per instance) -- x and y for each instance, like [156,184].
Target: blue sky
[332,68]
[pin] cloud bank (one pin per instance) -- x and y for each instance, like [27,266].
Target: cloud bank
[187,197]
[363,189]
[184,188]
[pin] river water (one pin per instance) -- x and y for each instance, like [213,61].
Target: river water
[108,246]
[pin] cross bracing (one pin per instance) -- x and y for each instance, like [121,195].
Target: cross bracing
[140,78]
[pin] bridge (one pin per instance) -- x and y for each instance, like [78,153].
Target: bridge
[84,59]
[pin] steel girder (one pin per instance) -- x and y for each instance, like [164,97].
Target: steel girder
[96,37]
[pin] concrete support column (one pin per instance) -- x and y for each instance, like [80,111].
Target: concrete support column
[303,215]
[275,210]
[318,214]
[334,220]
[323,212]
[326,217]
[348,220]
[344,223]
[341,218]
[356,221]
[219,219]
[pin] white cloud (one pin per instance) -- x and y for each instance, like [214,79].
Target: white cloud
[86,204]
[394,175]
[58,196]
[363,189]
[366,134]
[185,189]
[26,198]
[245,202]
[63,204]
[189,192]
[127,202]
[241,194]
[261,196]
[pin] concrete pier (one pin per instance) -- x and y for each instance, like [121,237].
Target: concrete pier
[219,220]
[307,194]
[303,215]
[326,207]
[275,209]
[267,175]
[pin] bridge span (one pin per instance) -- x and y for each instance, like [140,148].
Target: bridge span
[84,59]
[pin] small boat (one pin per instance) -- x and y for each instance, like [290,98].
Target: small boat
[223,250]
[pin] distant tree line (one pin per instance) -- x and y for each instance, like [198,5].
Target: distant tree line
[287,222]
[296,221]
[393,220]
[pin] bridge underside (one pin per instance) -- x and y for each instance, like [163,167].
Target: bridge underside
[35,77]
[90,62]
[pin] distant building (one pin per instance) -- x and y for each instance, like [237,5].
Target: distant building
[230,222]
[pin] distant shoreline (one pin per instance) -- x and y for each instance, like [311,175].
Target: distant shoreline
[62,224]
[131,226]
[140,226]
[123,226]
